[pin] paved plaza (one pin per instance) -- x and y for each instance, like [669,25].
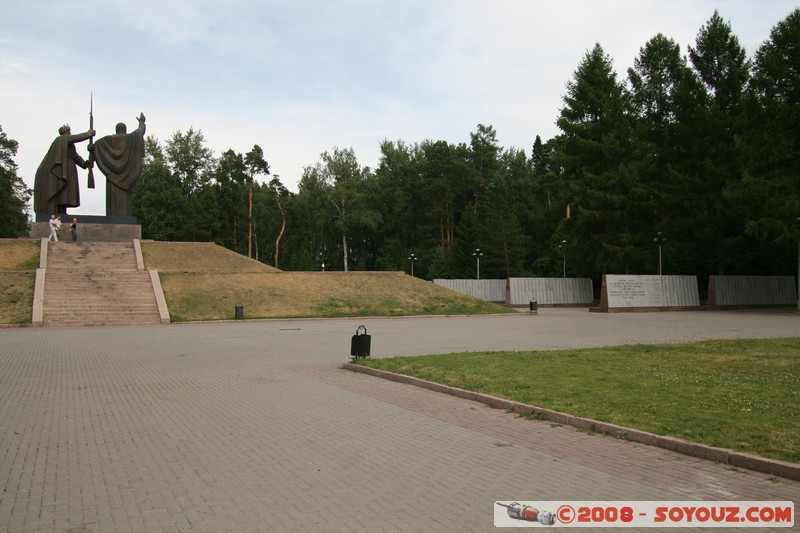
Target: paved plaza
[252,426]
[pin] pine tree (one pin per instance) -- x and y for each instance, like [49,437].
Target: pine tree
[664,93]
[595,155]
[722,66]
[768,195]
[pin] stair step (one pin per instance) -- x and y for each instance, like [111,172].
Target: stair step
[96,284]
[99,309]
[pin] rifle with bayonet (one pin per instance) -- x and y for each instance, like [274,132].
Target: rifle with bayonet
[90,163]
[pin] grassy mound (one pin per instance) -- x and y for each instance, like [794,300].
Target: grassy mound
[19,254]
[202,281]
[197,257]
[19,259]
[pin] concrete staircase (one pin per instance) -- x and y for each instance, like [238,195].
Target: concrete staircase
[96,284]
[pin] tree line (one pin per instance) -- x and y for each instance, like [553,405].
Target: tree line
[701,149]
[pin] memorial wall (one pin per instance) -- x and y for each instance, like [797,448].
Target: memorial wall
[630,292]
[752,290]
[518,292]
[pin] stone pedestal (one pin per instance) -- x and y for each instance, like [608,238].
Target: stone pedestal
[90,228]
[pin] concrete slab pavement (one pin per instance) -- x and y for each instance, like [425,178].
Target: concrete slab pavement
[251,426]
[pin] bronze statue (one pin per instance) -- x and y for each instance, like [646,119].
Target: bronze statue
[56,183]
[120,158]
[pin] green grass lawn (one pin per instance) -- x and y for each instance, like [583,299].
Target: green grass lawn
[743,394]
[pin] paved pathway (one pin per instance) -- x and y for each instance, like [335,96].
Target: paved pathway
[252,427]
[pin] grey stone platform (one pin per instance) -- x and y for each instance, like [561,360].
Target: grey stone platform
[90,228]
[252,426]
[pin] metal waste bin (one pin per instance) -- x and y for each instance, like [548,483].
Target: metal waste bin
[534,305]
[239,312]
[360,343]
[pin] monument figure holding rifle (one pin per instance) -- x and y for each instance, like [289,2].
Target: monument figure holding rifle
[120,158]
[56,183]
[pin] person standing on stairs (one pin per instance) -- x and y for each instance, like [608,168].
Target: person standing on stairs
[53,229]
[73,229]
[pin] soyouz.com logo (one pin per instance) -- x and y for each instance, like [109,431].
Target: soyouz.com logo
[723,514]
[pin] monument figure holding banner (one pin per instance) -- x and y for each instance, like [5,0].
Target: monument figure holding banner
[120,158]
[56,183]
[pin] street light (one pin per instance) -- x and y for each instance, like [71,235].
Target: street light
[250,219]
[563,247]
[659,239]
[412,258]
[477,253]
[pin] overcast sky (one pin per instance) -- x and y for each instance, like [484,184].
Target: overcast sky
[300,77]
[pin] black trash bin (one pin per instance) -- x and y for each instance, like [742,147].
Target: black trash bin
[534,305]
[360,343]
[239,312]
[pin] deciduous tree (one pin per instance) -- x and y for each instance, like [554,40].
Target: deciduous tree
[14,195]
[159,202]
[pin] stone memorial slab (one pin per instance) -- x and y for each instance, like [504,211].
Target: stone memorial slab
[648,292]
[634,291]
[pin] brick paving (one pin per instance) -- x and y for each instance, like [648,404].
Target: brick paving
[253,427]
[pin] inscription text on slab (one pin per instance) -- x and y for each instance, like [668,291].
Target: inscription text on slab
[634,291]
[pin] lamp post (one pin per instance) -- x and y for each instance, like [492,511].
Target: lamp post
[477,254]
[798,267]
[412,258]
[250,218]
[659,239]
[563,247]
